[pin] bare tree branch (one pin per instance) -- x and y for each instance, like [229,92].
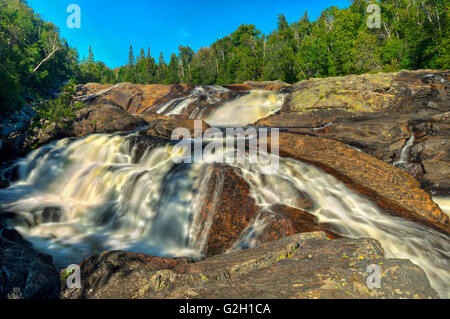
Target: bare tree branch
[53,46]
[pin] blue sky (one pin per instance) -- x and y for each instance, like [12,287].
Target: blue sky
[112,26]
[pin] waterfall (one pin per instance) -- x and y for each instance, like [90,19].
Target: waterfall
[247,109]
[106,198]
[404,153]
[241,111]
[180,105]
[78,197]
[354,216]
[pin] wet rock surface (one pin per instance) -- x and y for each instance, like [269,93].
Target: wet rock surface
[24,272]
[307,265]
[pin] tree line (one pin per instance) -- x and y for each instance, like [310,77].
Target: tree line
[412,35]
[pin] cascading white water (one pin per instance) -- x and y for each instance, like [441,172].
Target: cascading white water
[111,198]
[405,151]
[354,216]
[244,110]
[178,106]
[107,199]
[444,203]
[247,109]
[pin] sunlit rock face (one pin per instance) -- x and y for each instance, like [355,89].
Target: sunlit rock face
[307,265]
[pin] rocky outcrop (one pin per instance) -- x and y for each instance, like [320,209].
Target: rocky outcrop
[104,118]
[393,189]
[384,135]
[151,98]
[134,98]
[379,114]
[24,272]
[403,91]
[308,265]
[230,213]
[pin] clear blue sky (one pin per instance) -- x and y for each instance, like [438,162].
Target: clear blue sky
[112,26]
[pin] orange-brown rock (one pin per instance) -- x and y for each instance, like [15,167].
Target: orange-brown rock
[234,211]
[285,221]
[393,189]
[306,119]
[384,135]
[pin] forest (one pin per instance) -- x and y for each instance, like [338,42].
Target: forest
[35,61]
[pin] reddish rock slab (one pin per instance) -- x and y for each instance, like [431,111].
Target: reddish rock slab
[233,212]
[393,189]
[288,221]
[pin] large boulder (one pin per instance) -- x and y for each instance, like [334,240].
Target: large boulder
[103,118]
[401,91]
[230,214]
[24,272]
[307,265]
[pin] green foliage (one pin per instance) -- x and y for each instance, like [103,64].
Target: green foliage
[25,43]
[413,35]
[56,110]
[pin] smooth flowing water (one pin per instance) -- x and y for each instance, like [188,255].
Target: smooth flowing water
[241,111]
[247,109]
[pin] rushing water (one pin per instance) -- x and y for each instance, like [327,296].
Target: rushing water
[76,197]
[180,105]
[247,109]
[241,111]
